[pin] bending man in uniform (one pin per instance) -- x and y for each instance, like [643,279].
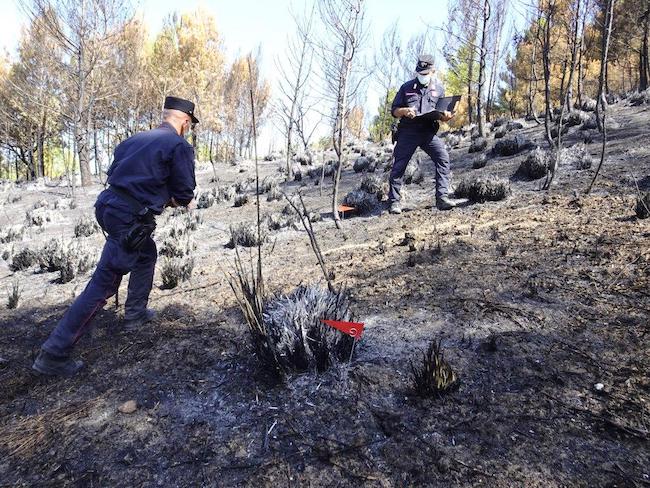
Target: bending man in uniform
[150,171]
[415,97]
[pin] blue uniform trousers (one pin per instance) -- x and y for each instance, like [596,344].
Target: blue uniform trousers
[408,140]
[114,263]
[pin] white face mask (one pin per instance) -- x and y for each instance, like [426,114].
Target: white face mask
[424,79]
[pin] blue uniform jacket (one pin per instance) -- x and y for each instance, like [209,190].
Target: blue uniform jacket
[422,98]
[153,167]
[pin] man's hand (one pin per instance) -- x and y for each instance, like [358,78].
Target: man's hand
[446,116]
[408,112]
[192,204]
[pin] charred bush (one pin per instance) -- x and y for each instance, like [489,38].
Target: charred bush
[373,185]
[177,247]
[576,117]
[511,146]
[453,140]
[206,199]
[240,200]
[432,375]
[363,201]
[361,164]
[39,216]
[589,105]
[14,295]
[70,259]
[176,270]
[274,193]
[295,339]
[245,235]
[512,125]
[480,162]
[643,206]
[24,259]
[500,132]
[640,98]
[11,234]
[477,145]
[483,189]
[85,227]
[590,124]
[535,166]
[577,156]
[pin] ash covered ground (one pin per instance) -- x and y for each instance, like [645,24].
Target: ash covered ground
[537,299]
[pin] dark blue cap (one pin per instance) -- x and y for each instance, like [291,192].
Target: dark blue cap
[182,105]
[425,63]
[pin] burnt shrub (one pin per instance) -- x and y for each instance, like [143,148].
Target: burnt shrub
[363,201]
[296,339]
[535,166]
[432,375]
[642,209]
[86,226]
[244,234]
[480,161]
[24,259]
[483,189]
[176,270]
[240,200]
[12,233]
[361,164]
[477,145]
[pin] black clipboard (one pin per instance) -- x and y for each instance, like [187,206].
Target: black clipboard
[445,104]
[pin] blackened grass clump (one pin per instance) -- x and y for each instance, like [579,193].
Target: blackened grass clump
[24,259]
[295,333]
[245,235]
[176,270]
[85,227]
[361,200]
[14,295]
[643,205]
[483,189]
[432,375]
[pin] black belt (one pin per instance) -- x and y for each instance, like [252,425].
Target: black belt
[135,205]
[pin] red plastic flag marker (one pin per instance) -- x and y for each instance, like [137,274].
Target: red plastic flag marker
[354,329]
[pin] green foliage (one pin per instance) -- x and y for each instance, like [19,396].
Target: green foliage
[381,125]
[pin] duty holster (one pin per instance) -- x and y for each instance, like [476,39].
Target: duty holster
[144,225]
[394,129]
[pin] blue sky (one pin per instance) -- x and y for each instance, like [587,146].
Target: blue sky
[247,25]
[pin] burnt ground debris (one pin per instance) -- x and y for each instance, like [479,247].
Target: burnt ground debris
[537,299]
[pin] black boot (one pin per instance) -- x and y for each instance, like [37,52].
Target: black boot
[130,325]
[52,365]
[446,203]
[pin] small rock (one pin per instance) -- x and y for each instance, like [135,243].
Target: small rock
[128,407]
[444,464]
[599,387]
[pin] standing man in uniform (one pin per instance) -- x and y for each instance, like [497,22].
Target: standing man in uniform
[415,97]
[150,171]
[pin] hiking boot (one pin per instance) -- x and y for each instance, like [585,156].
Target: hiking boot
[134,324]
[446,203]
[51,365]
[395,208]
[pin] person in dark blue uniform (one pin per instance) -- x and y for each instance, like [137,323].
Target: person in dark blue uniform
[150,171]
[416,97]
